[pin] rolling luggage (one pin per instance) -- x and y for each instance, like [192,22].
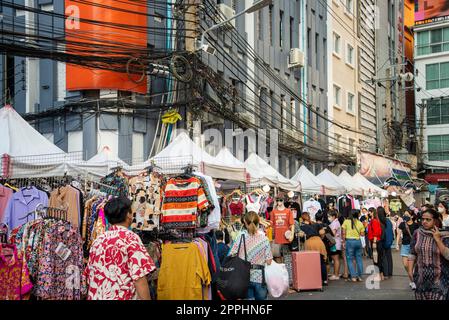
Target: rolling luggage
[307,271]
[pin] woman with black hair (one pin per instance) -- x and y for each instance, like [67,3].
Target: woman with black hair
[118,262]
[386,242]
[443,210]
[353,230]
[429,259]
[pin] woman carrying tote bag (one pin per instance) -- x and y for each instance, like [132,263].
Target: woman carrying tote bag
[258,253]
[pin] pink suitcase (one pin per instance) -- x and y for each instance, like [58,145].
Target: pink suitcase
[306,270]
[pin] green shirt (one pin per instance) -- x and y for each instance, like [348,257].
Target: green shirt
[353,233]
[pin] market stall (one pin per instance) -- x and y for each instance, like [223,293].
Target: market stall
[264,174]
[311,184]
[332,181]
[24,151]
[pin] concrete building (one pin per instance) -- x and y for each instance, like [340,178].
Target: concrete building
[318,67]
[344,85]
[40,87]
[432,112]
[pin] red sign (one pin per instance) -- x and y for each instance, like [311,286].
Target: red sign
[434,178]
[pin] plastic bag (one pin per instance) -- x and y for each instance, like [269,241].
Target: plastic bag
[276,277]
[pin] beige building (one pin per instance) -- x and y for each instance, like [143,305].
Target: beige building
[351,62]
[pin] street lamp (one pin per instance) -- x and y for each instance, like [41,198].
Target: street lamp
[255,7]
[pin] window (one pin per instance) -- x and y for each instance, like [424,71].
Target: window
[437,76]
[234,5]
[317,46]
[349,6]
[350,55]
[351,146]
[284,113]
[438,111]
[259,24]
[292,21]
[337,95]
[270,27]
[337,40]
[433,41]
[438,147]
[350,102]
[309,50]
[337,142]
[293,111]
[281,28]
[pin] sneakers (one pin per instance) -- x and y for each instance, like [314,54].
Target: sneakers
[359,279]
[412,285]
[334,277]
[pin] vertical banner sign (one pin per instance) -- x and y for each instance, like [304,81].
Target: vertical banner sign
[105,29]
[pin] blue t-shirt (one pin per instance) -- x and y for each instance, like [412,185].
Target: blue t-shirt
[223,250]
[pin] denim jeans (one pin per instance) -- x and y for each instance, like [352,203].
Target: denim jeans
[354,249]
[257,291]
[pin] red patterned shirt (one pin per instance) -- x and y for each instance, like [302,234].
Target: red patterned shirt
[117,259]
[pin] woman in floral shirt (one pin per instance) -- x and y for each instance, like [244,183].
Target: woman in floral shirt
[118,262]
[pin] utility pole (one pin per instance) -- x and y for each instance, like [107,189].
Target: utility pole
[388,113]
[422,107]
[191,19]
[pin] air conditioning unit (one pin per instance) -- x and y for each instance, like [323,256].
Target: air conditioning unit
[228,12]
[296,59]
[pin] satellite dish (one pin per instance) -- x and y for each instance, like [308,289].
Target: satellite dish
[407,77]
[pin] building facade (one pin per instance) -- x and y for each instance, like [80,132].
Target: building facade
[432,100]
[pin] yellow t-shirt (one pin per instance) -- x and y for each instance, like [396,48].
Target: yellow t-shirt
[353,233]
[183,272]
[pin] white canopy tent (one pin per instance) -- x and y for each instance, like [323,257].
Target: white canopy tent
[100,164]
[262,172]
[368,186]
[352,185]
[226,166]
[32,155]
[312,184]
[183,151]
[330,180]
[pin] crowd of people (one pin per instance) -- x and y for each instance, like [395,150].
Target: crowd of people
[422,238]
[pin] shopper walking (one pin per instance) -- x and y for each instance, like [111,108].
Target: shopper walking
[283,226]
[258,254]
[387,240]
[118,262]
[429,259]
[375,239]
[353,230]
[337,253]
[406,230]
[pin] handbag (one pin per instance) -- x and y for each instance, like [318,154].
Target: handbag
[234,276]
[294,245]
[362,239]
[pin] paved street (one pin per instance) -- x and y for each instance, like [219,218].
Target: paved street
[395,288]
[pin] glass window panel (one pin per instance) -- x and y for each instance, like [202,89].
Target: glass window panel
[432,71]
[444,83]
[446,47]
[436,36]
[444,70]
[423,38]
[434,84]
[436,48]
[445,35]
